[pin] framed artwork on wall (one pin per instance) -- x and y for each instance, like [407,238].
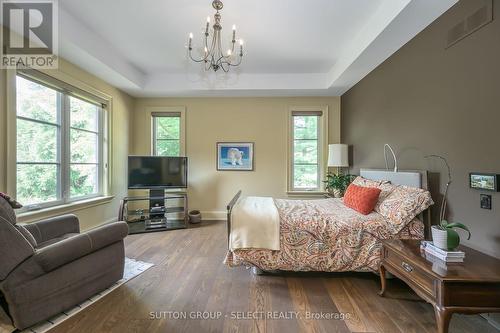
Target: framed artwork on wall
[484,181]
[235,156]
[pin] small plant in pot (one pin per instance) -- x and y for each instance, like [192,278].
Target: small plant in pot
[336,184]
[445,237]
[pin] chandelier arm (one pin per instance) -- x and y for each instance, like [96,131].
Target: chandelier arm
[224,64]
[208,65]
[230,63]
[236,64]
[195,60]
[205,56]
[206,40]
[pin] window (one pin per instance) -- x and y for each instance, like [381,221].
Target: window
[168,133]
[59,144]
[308,133]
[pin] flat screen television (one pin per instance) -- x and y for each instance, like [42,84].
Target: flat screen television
[157,172]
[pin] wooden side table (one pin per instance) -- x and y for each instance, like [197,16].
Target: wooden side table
[470,287]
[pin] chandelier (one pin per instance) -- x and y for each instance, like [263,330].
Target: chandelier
[214,57]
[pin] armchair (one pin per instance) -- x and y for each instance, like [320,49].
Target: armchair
[49,266]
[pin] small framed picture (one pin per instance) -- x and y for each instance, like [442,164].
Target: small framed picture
[235,156]
[484,181]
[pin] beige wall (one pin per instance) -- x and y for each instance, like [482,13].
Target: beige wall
[209,120]
[122,108]
[426,99]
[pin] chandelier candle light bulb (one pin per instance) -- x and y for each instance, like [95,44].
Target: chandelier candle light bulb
[214,57]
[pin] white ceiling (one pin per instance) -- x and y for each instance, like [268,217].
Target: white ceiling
[292,47]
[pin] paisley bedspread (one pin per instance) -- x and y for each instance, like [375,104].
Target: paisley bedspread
[325,235]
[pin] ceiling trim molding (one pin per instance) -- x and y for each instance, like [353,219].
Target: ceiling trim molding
[390,27]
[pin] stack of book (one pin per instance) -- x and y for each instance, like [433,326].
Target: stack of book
[446,256]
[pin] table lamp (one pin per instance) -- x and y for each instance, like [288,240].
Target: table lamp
[338,156]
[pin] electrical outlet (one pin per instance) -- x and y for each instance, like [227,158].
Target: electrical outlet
[486,201]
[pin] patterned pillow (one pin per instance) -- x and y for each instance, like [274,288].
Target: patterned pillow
[361,199]
[387,189]
[360,181]
[403,205]
[13,203]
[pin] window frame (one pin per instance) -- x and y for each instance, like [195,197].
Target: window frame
[322,148]
[100,156]
[168,111]
[66,87]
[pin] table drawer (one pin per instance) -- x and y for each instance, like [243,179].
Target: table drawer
[409,272]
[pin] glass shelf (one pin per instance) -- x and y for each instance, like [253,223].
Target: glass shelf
[146,214]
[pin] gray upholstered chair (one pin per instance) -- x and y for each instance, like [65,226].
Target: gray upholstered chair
[49,266]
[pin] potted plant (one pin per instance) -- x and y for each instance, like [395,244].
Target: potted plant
[336,184]
[445,237]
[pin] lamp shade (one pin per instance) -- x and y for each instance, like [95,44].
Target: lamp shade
[338,155]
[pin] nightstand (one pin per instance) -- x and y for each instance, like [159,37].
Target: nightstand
[470,287]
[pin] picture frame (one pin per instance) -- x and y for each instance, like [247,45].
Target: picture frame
[235,156]
[484,181]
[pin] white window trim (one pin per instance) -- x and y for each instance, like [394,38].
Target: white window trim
[105,152]
[323,144]
[168,109]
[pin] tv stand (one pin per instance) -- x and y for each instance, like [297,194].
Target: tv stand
[156,206]
[159,211]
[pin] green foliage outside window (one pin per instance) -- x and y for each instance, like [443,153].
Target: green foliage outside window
[39,144]
[168,136]
[305,152]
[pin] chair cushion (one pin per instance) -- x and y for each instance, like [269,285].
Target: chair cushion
[361,199]
[29,237]
[6,211]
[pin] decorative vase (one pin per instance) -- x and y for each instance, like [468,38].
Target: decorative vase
[440,237]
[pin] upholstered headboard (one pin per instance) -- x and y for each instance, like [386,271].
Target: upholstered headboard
[416,178]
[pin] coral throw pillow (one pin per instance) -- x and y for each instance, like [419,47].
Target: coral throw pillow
[361,199]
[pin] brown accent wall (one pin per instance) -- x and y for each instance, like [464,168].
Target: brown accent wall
[426,99]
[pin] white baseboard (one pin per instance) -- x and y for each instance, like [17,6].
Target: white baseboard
[214,215]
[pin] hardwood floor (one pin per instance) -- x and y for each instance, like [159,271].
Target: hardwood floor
[189,279]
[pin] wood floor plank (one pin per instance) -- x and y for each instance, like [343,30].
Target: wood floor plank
[323,310]
[301,305]
[281,305]
[376,317]
[355,319]
[189,276]
[398,314]
[259,303]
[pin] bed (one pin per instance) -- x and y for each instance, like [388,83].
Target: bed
[321,235]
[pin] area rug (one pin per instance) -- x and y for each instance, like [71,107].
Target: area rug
[132,269]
